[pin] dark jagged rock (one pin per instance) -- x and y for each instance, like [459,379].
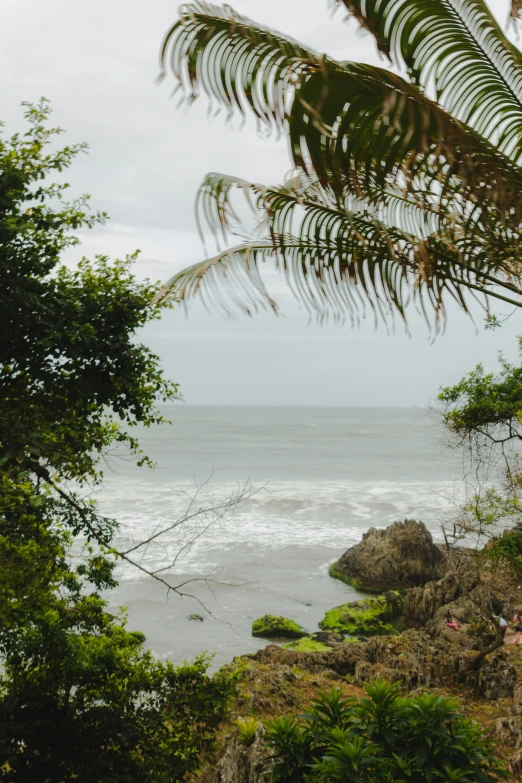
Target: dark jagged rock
[241,764]
[509,731]
[469,600]
[422,603]
[330,638]
[401,556]
[517,700]
[341,659]
[413,658]
[515,763]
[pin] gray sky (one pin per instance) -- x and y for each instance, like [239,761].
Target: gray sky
[97,63]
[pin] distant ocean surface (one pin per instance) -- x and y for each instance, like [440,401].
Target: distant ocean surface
[324,477]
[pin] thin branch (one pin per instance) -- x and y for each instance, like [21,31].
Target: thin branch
[244,494]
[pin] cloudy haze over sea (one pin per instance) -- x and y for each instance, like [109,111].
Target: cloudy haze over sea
[97,62]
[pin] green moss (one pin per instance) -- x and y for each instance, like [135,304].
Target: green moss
[369,617]
[306,645]
[270,627]
[347,581]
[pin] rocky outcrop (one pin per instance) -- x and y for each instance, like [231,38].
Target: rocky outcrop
[413,658]
[243,764]
[271,627]
[468,598]
[421,604]
[515,763]
[329,638]
[369,617]
[401,556]
[497,677]
[508,730]
[517,700]
[341,659]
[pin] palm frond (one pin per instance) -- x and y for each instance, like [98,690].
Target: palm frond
[395,199]
[235,62]
[348,123]
[232,276]
[340,261]
[458,47]
[380,128]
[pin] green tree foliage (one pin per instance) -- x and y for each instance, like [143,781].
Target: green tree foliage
[79,698]
[402,188]
[483,414]
[381,738]
[67,346]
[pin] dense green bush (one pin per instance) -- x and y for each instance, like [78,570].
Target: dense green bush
[382,738]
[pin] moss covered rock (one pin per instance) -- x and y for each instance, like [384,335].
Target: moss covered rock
[306,645]
[271,627]
[369,617]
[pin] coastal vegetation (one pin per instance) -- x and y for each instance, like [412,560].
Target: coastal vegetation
[398,196]
[79,697]
[381,737]
[482,414]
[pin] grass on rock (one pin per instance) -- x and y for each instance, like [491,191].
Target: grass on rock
[272,627]
[369,617]
[307,645]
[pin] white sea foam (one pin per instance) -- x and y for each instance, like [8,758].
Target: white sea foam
[282,514]
[330,474]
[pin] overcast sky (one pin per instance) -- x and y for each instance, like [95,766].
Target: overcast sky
[97,63]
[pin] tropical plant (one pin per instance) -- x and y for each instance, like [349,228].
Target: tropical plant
[246,730]
[402,189]
[381,738]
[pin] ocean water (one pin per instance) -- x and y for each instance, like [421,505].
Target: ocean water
[312,482]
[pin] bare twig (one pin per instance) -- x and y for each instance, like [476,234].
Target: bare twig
[211,512]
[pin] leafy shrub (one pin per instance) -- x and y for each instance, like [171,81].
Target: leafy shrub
[247,729]
[507,549]
[382,738]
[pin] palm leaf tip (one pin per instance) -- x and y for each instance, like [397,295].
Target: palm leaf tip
[235,62]
[231,279]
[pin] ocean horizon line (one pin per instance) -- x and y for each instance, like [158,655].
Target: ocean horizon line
[228,405]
